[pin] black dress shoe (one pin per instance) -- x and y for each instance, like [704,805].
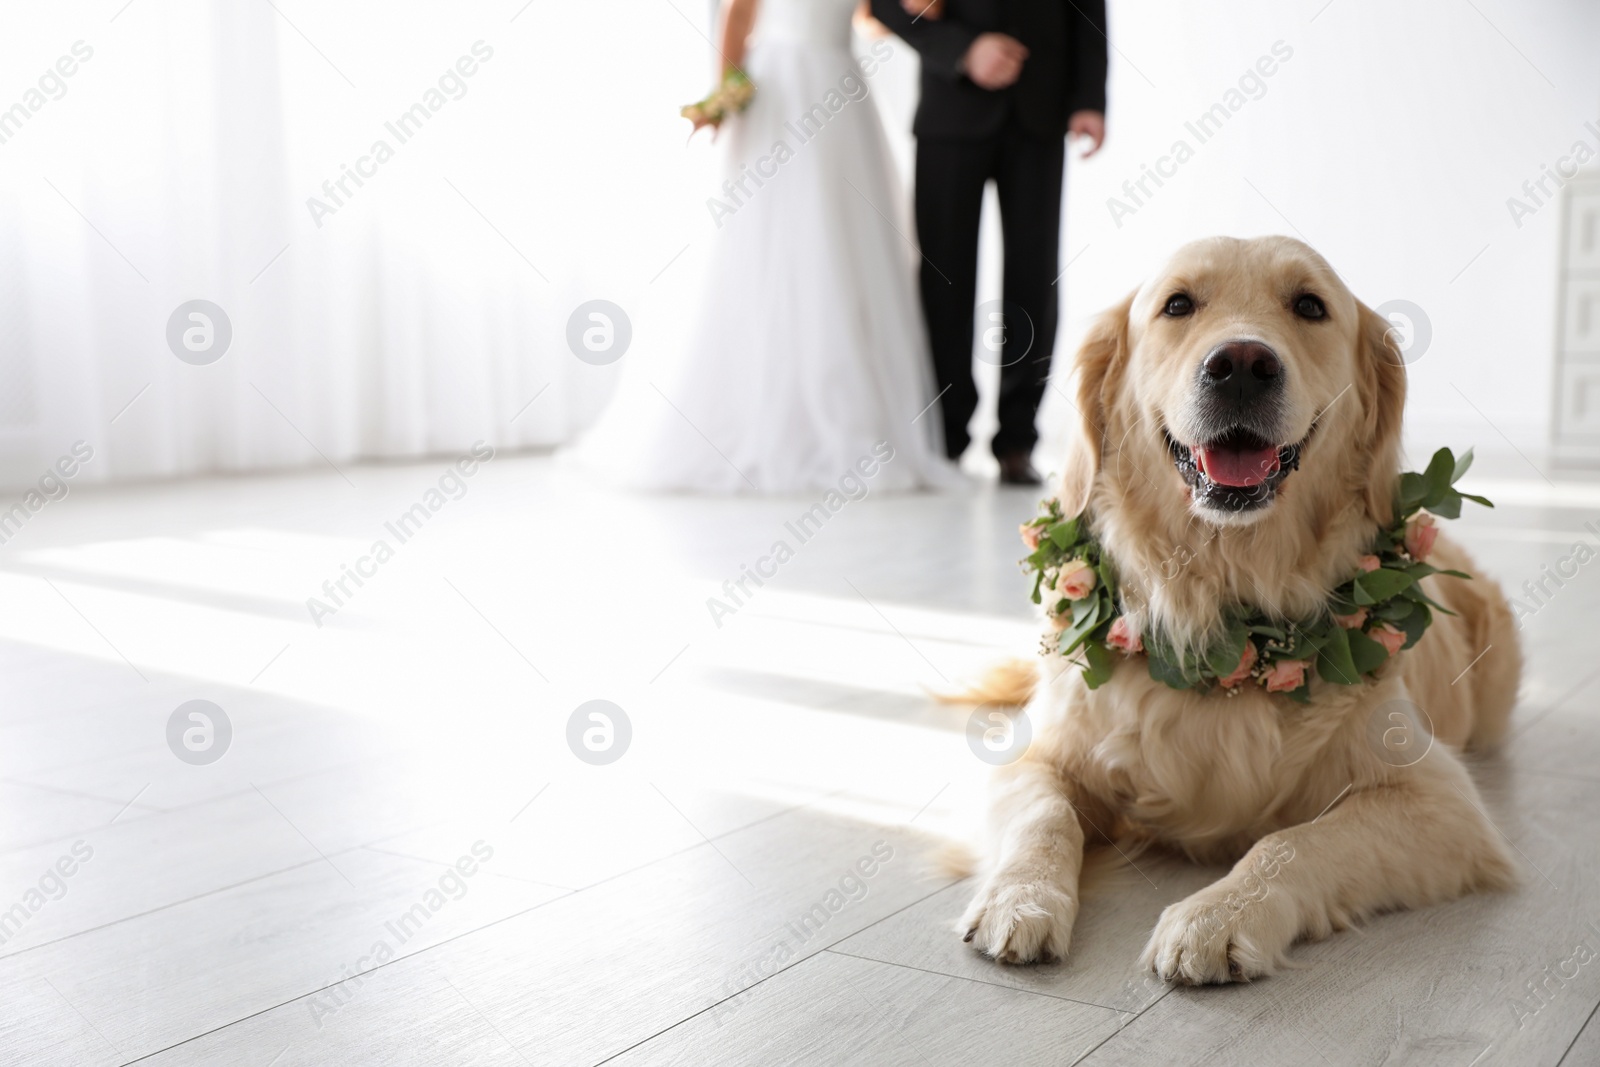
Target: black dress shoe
[1017,469]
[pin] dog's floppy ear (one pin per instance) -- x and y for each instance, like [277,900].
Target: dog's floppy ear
[1381,384]
[1104,346]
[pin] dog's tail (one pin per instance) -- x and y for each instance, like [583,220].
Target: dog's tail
[953,859]
[1010,683]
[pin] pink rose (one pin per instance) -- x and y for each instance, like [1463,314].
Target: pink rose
[1387,636]
[1242,671]
[1369,562]
[1124,636]
[1032,535]
[1352,622]
[1075,579]
[1287,675]
[1420,535]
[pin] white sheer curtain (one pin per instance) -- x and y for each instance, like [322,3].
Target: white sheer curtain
[426,312]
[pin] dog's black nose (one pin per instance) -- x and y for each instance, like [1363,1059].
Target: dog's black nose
[1241,370]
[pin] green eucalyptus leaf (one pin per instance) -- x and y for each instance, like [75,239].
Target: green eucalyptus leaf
[1164,668]
[1313,637]
[1072,638]
[1476,499]
[1333,660]
[1448,506]
[1437,476]
[1365,653]
[1080,629]
[1376,586]
[1415,623]
[1463,464]
[1097,669]
[1108,579]
[1394,610]
[1064,534]
[1413,490]
[1415,593]
[1083,608]
[1342,601]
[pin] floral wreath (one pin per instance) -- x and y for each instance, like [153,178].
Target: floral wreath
[1380,611]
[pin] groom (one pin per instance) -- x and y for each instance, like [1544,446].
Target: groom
[1003,83]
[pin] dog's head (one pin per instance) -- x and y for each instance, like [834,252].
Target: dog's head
[1241,408]
[1242,371]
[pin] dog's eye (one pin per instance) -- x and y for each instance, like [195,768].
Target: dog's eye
[1310,307]
[1178,305]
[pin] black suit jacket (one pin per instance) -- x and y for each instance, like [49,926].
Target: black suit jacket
[1065,70]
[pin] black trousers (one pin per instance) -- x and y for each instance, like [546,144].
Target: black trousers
[951,174]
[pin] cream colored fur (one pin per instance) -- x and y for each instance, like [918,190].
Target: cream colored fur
[1321,823]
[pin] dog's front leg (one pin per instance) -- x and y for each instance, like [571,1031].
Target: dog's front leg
[1400,843]
[1027,904]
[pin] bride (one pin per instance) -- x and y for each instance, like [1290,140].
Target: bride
[806,359]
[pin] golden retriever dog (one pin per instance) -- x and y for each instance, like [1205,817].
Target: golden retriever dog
[1238,349]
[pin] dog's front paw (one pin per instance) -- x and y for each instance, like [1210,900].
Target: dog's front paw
[1020,921]
[1218,935]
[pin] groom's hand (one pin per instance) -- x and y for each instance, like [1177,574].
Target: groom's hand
[1090,125]
[994,60]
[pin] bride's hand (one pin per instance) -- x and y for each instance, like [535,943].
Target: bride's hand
[932,10]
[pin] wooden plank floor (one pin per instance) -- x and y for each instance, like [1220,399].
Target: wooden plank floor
[400,859]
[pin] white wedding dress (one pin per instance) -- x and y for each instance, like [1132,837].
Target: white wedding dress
[807,348]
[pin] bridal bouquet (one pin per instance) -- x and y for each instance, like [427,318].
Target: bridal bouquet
[731,97]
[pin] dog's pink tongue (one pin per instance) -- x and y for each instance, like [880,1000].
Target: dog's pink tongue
[1238,466]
